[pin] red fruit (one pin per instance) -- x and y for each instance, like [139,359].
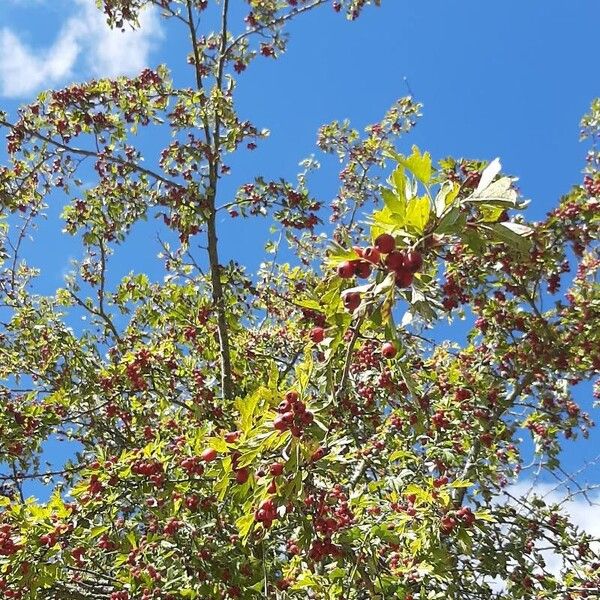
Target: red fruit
[232,436]
[292,397]
[440,481]
[447,524]
[318,454]
[288,417]
[404,279]
[351,301]
[388,350]
[284,406]
[208,455]
[276,469]
[372,255]
[465,514]
[317,335]
[307,418]
[385,243]
[345,269]
[260,515]
[272,488]
[241,475]
[280,423]
[358,250]
[362,269]
[268,505]
[395,261]
[413,261]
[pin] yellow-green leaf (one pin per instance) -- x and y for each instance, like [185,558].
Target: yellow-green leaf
[418,212]
[419,165]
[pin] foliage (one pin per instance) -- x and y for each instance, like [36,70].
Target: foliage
[297,433]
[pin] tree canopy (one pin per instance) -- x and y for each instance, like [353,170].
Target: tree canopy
[304,431]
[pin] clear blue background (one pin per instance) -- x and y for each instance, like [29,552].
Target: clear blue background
[508,79]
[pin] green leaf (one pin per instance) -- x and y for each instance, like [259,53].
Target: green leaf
[418,212]
[396,204]
[461,483]
[398,181]
[337,254]
[452,222]
[473,240]
[498,193]
[490,214]
[387,220]
[445,197]
[218,444]
[419,165]
[513,235]
[244,525]
[247,408]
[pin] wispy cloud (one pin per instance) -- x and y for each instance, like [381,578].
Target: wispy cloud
[583,514]
[84,46]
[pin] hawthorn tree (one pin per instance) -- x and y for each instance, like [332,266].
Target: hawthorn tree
[299,432]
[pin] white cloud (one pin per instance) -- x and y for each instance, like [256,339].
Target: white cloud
[22,71]
[85,46]
[583,514]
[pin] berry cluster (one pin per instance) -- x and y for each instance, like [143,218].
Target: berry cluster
[450,521]
[7,544]
[152,469]
[266,513]
[192,465]
[382,256]
[292,415]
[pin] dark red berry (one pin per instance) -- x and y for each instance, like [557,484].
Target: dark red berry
[404,279]
[351,301]
[388,350]
[385,243]
[317,335]
[395,260]
[345,269]
[413,261]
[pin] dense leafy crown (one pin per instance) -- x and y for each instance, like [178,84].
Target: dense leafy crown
[301,432]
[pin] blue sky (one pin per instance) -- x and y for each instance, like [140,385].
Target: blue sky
[508,79]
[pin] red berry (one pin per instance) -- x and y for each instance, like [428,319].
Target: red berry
[395,260]
[292,397]
[404,279]
[241,475]
[388,350]
[276,469]
[362,269]
[447,524]
[318,454]
[317,335]
[351,301]
[307,418]
[413,261]
[284,406]
[385,243]
[208,455]
[232,436]
[272,487]
[280,423]
[345,269]
[372,255]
